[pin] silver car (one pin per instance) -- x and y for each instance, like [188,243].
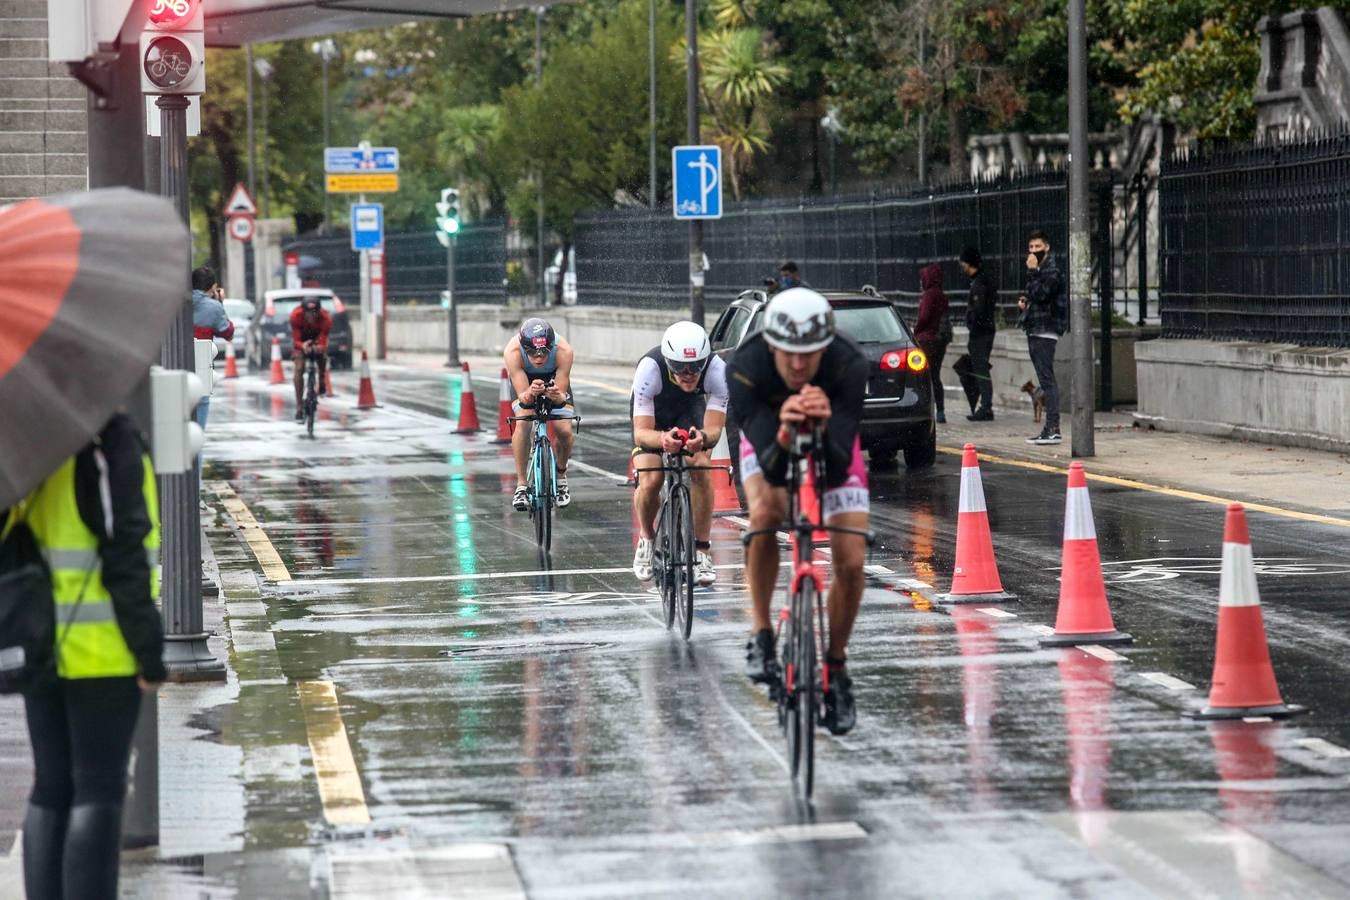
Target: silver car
[240,313]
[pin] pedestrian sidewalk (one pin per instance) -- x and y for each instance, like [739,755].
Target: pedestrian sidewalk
[1308,481]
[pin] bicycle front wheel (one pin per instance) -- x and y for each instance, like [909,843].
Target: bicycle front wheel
[807,686]
[683,552]
[662,568]
[543,500]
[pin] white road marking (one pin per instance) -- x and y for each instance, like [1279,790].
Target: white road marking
[1257,719]
[913,584]
[748,837]
[467,871]
[1044,630]
[878,570]
[16,849]
[596,470]
[1168,681]
[475,576]
[759,738]
[994,612]
[1101,652]
[1324,748]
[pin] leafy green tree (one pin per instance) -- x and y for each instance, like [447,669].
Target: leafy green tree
[738,77]
[585,126]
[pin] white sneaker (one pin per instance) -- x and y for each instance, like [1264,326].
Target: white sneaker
[704,573]
[642,560]
[563,493]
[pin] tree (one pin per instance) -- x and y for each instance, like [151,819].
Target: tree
[585,126]
[738,79]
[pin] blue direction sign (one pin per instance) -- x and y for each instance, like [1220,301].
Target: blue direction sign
[698,182]
[347,160]
[367,226]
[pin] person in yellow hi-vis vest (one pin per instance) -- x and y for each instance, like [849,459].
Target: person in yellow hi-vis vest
[96,521]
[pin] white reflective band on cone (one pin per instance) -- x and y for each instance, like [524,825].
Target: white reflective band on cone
[1237,578]
[505,392]
[972,491]
[276,350]
[1078,524]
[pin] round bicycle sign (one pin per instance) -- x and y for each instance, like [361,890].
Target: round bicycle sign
[241,228]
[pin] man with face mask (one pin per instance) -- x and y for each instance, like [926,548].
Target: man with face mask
[1045,316]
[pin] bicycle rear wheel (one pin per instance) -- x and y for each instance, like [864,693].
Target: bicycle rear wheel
[683,551]
[787,695]
[807,687]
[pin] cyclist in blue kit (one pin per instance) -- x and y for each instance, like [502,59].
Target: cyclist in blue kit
[539,363]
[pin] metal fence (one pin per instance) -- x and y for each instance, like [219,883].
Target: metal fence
[1256,243]
[415,264]
[639,257]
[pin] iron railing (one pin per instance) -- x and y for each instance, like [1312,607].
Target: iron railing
[1256,243]
[639,257]
[415,264]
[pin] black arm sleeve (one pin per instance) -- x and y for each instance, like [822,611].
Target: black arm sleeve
[846,406]
[758,423]
[126,571]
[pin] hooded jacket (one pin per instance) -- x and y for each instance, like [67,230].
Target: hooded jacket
[932,305]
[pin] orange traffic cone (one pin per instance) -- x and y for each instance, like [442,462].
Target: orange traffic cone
[231,366]
[1084,617]
[328,379]
[278,374]
[725,499]
[1244,680]
[503,411]
[365,398]
[975,579]
[468,407]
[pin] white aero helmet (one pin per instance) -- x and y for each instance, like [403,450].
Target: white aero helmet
[685,342]
[798,320]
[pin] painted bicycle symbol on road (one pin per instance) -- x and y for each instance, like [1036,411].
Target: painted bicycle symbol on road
[1167,568]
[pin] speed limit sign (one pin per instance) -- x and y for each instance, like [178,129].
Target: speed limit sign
[241,228]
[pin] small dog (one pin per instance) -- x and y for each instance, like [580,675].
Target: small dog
[1037,399]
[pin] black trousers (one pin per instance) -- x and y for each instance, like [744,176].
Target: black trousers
[935,351]
[81,732]
[980,347]
[1043,360]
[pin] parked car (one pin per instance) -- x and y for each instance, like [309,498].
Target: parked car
[898,410]
[569,287]
[274,321]
[240,313]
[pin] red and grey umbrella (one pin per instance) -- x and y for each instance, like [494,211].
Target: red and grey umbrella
[89,284]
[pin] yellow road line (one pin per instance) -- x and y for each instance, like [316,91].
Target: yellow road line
[344,802]
[273,568]
[1159,489]
[603,386]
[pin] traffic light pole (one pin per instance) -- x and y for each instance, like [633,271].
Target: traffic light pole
[452,313]
[186,655]
[696,226]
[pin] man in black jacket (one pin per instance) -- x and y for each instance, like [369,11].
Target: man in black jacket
[1045,316]
[980,309]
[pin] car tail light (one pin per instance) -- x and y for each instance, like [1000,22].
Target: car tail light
[916,361]
[912,359]
[337,304]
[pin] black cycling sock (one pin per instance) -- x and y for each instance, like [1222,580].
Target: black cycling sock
[702,545]
[835,663]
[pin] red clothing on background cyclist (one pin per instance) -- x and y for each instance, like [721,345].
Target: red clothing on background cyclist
[310,325]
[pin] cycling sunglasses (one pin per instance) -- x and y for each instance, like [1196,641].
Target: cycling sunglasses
[685,368]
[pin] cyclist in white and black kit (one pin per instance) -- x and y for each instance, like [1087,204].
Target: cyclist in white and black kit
[677,385]
[796,372]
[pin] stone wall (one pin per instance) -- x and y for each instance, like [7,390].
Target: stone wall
[1278,393]
[43,143]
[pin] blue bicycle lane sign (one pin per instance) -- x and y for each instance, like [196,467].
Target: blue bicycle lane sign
[698,181]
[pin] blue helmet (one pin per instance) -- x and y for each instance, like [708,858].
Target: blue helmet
[536,334]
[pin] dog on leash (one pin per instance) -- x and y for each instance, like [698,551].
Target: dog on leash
[1037,399]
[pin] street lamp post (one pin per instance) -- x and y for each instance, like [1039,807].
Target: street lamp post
[1083,441]
[651,103]
[265,70]
[327,50]
[695,226]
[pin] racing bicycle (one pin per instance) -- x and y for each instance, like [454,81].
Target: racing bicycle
[541,473]
[801,636]
[673,552]
[311,402]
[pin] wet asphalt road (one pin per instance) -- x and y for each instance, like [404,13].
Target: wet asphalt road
[488,701]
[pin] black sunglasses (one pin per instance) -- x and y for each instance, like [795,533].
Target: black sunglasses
[685,368]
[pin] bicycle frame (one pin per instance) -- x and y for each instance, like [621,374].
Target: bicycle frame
[542,470]
[311,405]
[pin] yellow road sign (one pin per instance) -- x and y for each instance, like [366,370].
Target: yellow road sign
[368,183]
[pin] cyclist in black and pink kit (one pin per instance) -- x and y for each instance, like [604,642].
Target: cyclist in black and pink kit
[797,372]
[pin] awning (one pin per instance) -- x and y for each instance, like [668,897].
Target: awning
[233,23]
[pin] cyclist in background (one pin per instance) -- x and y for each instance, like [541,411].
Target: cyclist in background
[539,364]
[677,385]
[310,325]
[797,372]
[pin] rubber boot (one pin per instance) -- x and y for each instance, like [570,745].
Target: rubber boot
[44,840]
[93,850]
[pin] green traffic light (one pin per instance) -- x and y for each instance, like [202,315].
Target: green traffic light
[449,226]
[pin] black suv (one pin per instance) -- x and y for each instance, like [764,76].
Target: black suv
[898,410]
